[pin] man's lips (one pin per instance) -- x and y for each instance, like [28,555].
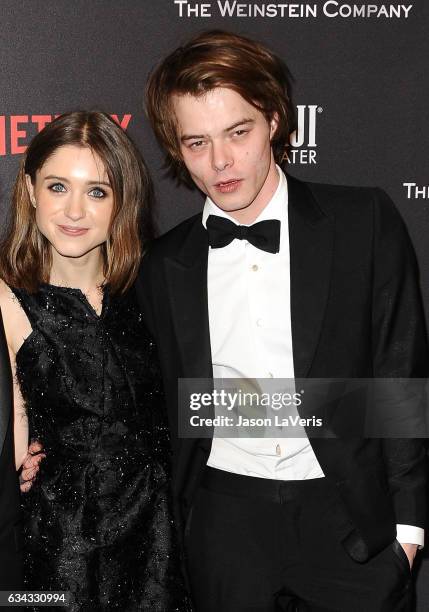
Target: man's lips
[71,230]
[228,186]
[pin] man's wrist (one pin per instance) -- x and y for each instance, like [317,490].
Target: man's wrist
[409,534]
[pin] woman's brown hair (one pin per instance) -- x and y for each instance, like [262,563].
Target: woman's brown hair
[25,253]
[219,59]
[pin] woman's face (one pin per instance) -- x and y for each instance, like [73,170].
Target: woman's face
[73,200]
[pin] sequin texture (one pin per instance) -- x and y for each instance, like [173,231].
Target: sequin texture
[98,520]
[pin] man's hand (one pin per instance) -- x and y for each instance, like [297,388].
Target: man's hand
[30,466]
[410,551]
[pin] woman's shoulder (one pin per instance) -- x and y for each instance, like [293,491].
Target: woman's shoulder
[7,298]
[15,321]
[4,289]
[11,298]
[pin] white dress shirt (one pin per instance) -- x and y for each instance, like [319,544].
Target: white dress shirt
[251,337]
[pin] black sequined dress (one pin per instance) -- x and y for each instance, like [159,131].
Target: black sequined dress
[98,519]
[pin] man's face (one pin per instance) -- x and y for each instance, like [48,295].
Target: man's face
[226,146]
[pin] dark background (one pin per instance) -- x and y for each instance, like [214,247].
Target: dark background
[369,76]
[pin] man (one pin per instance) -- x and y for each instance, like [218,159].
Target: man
[323,285]
[10,532]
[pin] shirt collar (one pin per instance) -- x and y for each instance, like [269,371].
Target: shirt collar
[275,209]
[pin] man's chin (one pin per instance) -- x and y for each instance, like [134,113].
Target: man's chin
[227,205]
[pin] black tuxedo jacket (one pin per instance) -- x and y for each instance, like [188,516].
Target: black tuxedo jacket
[356,312]
[10,529]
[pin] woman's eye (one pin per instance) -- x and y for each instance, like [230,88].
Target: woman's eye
[240,132]
[57,187]
[97,193]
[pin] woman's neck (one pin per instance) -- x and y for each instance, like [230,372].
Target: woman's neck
[85,273]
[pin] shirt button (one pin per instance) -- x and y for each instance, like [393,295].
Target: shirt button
[278,450]
[259,322]
[255,268]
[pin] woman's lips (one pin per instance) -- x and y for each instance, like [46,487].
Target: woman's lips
[72,231]
[228,186]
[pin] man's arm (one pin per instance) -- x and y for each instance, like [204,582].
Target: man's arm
[400,350]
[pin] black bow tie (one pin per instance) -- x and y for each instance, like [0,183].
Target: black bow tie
[264,235]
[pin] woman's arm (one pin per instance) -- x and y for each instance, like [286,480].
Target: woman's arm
[20,419]
[17,327]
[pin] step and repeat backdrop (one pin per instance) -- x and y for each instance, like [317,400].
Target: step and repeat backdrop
[361,83]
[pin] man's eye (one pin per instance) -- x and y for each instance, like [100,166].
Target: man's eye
[240,132]
[97,193]
[197,144]
[57,187]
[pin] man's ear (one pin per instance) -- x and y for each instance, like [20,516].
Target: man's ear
[30,189]
[274,123]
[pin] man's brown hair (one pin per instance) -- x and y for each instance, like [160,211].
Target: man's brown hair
[25,253]
[219,59]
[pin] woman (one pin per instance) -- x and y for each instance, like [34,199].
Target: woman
[97,519]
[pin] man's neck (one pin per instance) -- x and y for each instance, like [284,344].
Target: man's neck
[248,215]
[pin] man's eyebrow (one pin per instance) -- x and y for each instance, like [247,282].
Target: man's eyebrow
[244,121]
[65,180]
[238,123]
[191,137]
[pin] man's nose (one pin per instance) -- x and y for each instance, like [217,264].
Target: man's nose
[221,156]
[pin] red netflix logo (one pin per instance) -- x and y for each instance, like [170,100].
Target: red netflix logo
[16,131]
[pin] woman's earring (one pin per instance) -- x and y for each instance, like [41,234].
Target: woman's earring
[33,201]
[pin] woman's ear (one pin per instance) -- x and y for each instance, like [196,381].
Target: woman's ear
[30,189]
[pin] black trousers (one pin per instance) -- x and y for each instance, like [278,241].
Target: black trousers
[11,559]
[260,545]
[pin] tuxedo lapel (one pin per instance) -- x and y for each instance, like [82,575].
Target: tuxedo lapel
[186,274]
[5,386]
[311,235]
